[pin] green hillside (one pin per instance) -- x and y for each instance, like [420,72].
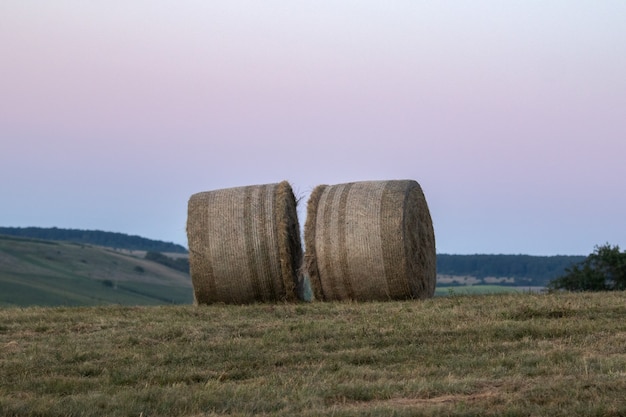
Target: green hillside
[49,273]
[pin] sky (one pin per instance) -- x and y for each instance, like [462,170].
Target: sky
[510,114]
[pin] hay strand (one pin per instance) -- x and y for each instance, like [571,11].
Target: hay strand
[244,244]
[371,240]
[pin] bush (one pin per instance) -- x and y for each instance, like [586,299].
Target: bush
[603,270]
[180,264]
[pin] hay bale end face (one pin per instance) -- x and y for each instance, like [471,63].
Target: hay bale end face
[370,240]
[244,244]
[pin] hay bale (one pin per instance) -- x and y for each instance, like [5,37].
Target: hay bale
[370,240]
[244,244]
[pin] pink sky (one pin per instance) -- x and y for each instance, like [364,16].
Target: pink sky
[511,115]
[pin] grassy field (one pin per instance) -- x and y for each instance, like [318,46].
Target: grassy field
[499,355]
[48,273]
[480,290]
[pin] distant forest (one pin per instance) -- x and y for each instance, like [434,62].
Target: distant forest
[94,237]
[526,269]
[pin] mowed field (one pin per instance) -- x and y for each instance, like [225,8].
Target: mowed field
[463,355]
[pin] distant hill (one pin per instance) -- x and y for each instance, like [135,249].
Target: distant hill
[51,273]
[94,237]
[52,266]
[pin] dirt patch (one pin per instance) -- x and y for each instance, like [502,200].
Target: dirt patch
[11,346]
[452,398]
[420,402]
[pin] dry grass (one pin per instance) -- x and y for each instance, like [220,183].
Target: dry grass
[511,355]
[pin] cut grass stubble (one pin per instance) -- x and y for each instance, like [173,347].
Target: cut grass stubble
[505,354]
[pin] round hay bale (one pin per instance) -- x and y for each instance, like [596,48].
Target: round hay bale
[370,240]
[244,244]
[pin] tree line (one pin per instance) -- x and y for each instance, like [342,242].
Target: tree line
[94,237]
[527,270]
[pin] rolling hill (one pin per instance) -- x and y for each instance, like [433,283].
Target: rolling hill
[51,273]
[53,266]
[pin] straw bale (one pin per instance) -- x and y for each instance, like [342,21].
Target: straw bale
[244,244]
[371,240]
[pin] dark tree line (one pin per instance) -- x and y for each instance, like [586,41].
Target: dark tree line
[526,269]
[94,237]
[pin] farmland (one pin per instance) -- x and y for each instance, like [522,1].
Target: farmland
[502,354]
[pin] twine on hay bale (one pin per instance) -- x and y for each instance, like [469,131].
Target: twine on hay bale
[371,240]
[244,244]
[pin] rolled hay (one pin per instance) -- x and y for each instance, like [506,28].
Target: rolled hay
[371,240]
[244,244]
